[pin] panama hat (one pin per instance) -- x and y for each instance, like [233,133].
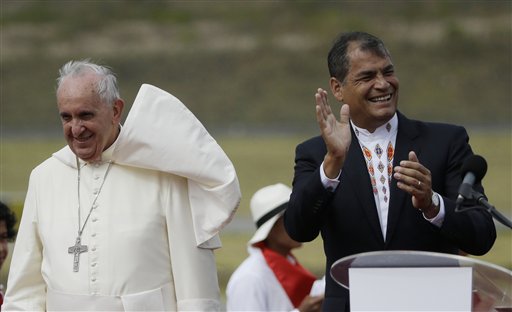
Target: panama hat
[267,205]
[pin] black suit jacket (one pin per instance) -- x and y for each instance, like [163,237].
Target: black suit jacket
[347,218]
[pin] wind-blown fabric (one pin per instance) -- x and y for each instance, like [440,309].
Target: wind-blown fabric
[160,133]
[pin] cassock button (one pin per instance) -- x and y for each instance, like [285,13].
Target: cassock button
[93,235]
[93,249]
[93,279]
[94,219]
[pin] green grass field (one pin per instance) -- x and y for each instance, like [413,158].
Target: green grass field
[263,160]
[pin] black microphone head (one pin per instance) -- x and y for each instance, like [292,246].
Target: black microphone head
[475,164]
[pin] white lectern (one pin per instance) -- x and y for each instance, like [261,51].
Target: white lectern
[421,281]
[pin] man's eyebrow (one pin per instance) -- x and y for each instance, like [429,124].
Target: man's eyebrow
[80,114]
[371,72]
[85,113]
[365,73]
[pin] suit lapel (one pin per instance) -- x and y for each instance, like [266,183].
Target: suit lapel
[405,142]
[356,172]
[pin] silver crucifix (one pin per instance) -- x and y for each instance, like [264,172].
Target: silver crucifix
[77,249]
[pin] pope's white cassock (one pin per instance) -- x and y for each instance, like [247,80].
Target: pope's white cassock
[152,230]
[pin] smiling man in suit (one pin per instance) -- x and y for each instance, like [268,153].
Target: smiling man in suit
[374,179]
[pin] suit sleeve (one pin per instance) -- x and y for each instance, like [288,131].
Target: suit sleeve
[472,230]
[309,199]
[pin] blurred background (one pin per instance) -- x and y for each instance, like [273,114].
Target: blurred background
[248,70]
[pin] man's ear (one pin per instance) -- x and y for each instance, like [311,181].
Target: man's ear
[117,107]
[336,88]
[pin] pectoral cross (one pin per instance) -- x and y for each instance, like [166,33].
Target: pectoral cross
[77,249]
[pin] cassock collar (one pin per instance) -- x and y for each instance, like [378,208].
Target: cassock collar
[67,156]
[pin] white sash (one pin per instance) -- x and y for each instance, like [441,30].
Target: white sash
[151,300]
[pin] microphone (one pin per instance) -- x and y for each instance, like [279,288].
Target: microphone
[473,170]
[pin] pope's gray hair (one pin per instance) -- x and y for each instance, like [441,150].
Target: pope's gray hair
[106,88]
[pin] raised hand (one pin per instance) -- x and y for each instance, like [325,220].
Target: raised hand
[336,134]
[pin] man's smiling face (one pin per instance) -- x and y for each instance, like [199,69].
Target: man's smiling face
[370,88]
[89,125]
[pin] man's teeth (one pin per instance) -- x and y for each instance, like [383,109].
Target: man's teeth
[381,98]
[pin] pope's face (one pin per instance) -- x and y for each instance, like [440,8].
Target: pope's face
[370,89]
[90,126]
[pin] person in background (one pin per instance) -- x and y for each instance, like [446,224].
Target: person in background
[123,218]
[7,234]
[7,230]
[374,179]
[271,278]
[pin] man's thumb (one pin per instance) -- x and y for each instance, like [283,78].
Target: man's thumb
[344,113]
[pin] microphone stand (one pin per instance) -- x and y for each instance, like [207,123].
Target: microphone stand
[482,201]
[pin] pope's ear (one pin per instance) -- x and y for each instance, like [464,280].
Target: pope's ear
[117,107]
[336,88]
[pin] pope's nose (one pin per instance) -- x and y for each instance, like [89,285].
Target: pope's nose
[77,128]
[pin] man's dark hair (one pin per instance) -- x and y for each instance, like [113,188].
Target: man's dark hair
[9,217]
[337,59]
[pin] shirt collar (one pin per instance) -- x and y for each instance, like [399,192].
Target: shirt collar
[380,133]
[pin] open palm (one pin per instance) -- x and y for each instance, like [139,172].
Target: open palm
[336,134]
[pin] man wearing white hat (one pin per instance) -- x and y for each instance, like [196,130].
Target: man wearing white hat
[271,278]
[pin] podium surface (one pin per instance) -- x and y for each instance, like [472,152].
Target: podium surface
[487,279]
